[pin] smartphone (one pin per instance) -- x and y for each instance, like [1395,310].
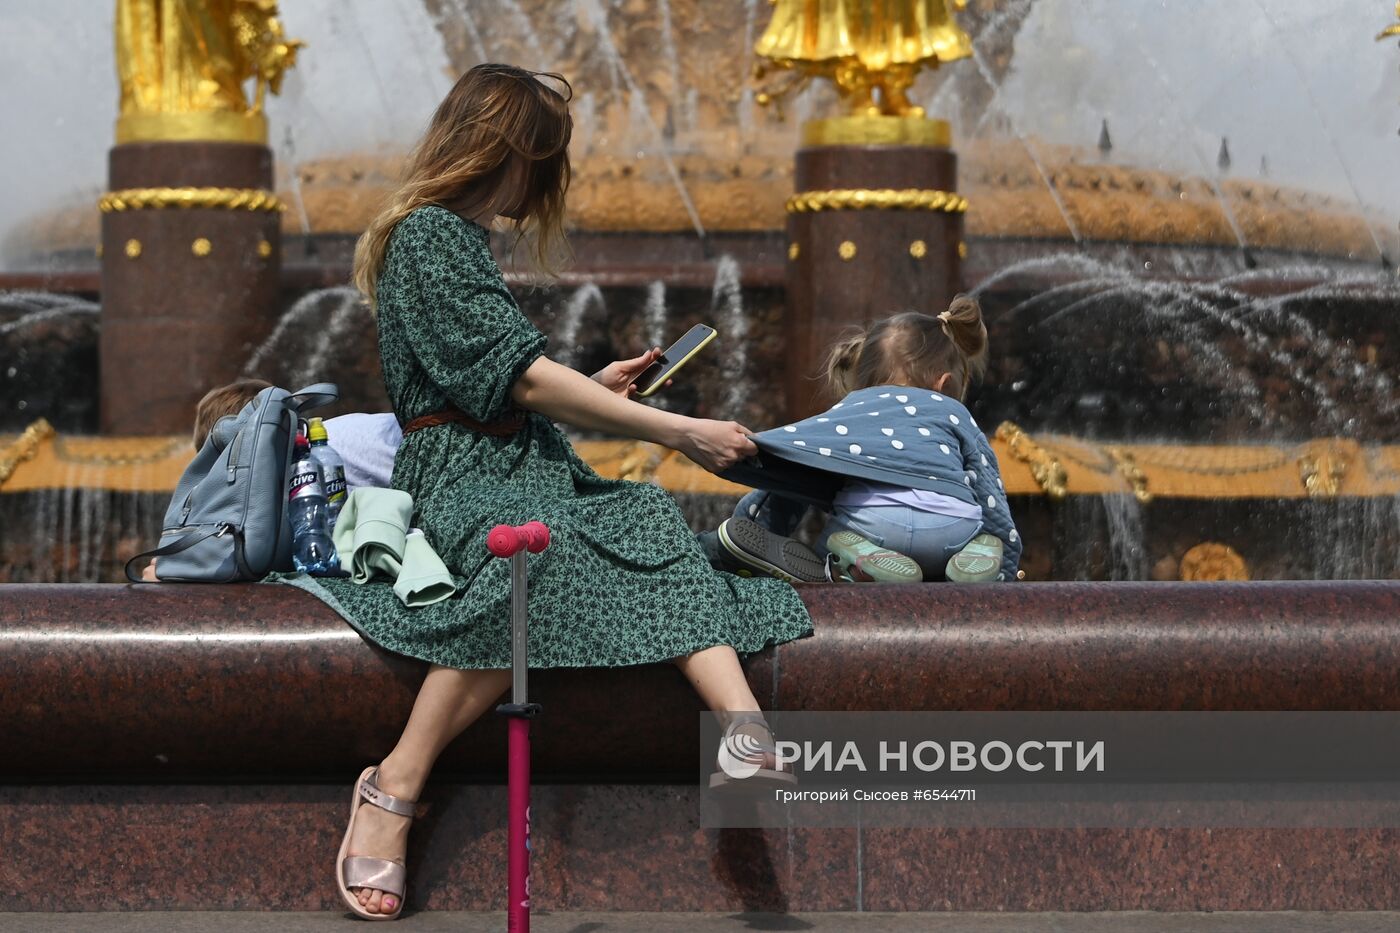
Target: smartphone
[676,356]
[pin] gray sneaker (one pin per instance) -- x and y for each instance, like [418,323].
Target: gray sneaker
[978,562]
[758,550]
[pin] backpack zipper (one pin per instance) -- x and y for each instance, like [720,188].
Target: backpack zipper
[233,458]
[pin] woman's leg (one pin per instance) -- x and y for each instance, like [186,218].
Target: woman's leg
[716,675]
[448,702]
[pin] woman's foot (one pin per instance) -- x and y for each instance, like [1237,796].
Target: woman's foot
[748,757]
[865,562]
[380,833]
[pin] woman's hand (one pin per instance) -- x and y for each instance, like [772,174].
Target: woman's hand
[715,445]
[621,377]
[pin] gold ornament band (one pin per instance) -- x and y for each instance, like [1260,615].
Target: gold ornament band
[232,199]
[881,199]
[1049,473]
[23,448]
[877,130]
[198,126]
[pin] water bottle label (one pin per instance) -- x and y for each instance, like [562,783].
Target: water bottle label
[306,481]
[335,487]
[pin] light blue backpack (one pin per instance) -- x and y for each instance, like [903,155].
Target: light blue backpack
[228,518]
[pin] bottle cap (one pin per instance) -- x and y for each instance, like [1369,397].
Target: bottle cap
[317,429]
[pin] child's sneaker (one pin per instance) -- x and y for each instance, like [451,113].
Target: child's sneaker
[978,562]
[865,562]
[756,549]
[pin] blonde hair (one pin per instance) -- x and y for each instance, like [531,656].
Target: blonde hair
[914,349]
[492,113]
[225,400]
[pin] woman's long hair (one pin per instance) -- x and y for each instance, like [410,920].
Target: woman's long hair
[492,112]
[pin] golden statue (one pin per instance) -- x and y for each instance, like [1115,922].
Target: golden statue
[872,49]
[183,64]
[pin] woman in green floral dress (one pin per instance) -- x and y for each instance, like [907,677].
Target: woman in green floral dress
[623,581]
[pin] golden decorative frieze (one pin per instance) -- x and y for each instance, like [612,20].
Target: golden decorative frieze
[118,452]
[1048,471]
[1030,466]
[23,447]
[1127,465]
[1323,465]
[232,199]
[879,199]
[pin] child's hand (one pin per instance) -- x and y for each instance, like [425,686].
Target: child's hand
[620,377]
[149,574]
[716,445]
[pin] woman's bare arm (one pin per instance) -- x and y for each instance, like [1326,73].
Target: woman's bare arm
[562,394]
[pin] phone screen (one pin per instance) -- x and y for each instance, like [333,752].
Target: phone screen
[676,355]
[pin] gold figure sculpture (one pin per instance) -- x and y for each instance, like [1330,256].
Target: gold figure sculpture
[183,65]
[871,49]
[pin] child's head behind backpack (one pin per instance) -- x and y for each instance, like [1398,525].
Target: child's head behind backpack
[943,352]
[225,400]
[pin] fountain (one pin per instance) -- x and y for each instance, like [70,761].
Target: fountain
[1179,321]
[1193,379]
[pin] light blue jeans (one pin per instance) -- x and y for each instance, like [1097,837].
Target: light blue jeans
[927,537]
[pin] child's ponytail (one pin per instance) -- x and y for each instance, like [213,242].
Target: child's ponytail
[963,324]
[841,365]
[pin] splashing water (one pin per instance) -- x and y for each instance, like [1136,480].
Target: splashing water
[985,70]
[727,303]
[576,307]
[594,11]
[1257,351]
[322,317]
[36,307]
[655,314]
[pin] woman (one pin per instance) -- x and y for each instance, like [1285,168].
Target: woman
[468,380]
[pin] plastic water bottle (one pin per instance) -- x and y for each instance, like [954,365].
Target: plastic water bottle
[313,551]
[332,470]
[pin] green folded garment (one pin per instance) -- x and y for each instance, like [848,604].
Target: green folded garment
[373,530]
[423,577]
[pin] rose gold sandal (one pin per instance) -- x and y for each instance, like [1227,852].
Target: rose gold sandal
[361,871]
[746,762]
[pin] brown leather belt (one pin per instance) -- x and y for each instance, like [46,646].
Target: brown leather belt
[508,424]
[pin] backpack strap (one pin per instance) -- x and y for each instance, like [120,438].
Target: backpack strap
[313,396]
[175,547]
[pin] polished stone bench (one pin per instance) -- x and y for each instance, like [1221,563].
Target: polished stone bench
[185,746]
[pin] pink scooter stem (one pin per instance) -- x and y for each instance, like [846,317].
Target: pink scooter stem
[512,542]
[518,864]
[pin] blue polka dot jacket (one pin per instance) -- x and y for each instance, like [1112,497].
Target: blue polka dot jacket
[903,436]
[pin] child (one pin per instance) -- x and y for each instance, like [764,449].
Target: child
[910,481]
[366,442]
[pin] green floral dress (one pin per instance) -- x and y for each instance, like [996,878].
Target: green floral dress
[623,580]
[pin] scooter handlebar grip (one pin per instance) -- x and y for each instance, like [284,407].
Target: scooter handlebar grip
[508,540]
[536,536]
